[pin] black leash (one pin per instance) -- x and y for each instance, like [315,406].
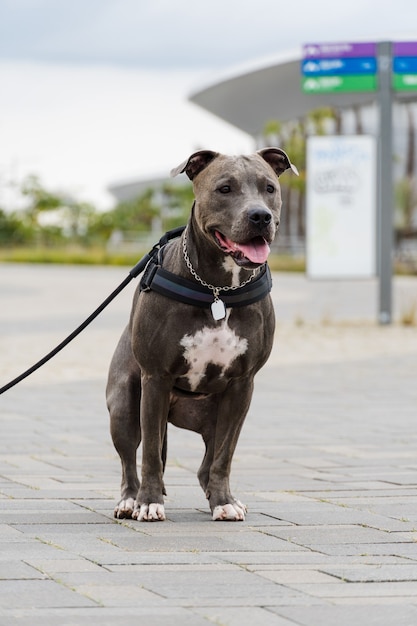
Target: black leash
[133,273]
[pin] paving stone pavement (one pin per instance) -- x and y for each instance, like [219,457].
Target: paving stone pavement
[327,463]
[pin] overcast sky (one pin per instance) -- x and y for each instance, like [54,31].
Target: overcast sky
[95,91]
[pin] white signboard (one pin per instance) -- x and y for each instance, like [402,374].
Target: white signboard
[341,207]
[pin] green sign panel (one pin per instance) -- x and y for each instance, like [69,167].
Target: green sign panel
[404,82]
[334,84]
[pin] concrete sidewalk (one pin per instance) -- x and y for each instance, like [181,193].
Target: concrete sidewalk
[327,463]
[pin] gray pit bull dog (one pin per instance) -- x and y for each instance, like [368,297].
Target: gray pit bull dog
[192,363]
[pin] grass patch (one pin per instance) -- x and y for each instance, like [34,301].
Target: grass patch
[69,256]
[77,255]
[408,316]
[286,263]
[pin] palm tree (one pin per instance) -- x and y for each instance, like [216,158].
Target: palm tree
[292,137]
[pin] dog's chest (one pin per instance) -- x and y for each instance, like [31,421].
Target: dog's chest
[219,346]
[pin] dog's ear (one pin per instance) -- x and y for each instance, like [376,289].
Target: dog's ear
[195,163]
[278,160]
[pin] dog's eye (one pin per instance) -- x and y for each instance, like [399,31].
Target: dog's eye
[225,189]
[270,188]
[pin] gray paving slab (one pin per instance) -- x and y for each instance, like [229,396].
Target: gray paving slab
[106,616]
[41,593]
[326,462]
[375,573]
[369,614]
[235,616]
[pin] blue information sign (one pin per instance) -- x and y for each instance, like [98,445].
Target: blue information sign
[341,66]
[405,65]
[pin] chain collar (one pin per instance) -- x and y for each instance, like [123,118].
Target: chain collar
[214,289]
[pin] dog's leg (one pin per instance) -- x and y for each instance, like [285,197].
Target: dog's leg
[232,412]
[154,414]
[126,435]
[203,473]
[123,401]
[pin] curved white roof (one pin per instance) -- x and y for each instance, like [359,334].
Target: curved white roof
[270,89]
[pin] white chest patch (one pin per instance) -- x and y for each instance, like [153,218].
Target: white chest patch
[230,266]
[218,346]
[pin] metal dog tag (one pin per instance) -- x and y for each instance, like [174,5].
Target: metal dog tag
[218,310]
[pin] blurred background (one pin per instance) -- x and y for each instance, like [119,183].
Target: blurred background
[99,100]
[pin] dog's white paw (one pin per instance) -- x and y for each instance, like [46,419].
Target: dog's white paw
[230,512]
[150,513]
[125,508]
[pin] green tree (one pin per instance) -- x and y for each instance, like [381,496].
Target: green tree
[12,230]
[292,137]
[406,203]
[129,216]
[320,120]
[26,226]
[178,200]
[76,219]
[169,205]
[39,199]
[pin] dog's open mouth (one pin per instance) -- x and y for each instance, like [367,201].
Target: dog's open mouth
[253,252]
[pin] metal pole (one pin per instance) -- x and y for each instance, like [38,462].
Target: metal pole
[385,186]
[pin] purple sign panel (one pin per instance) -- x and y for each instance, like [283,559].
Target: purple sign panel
[405,49]
[338,50]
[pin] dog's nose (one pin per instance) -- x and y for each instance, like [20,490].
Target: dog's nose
[260,216]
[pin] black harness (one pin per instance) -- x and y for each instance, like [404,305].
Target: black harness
[156,278]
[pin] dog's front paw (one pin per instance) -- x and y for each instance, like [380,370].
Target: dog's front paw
[150,513]
[125,508]
[230,512]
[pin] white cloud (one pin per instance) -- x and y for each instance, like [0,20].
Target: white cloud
[82,128]
[109,101]
[184,33]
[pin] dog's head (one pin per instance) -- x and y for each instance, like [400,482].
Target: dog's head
[238,200]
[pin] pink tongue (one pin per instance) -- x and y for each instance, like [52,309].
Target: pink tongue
[256,250]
